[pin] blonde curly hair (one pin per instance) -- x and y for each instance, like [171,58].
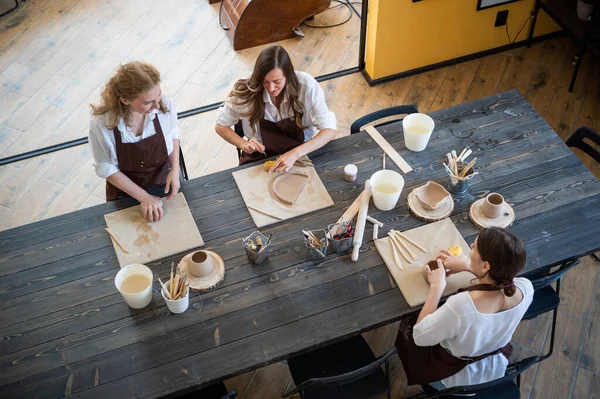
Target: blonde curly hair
[129,81]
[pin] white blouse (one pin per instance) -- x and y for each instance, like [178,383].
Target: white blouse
[462,330]
[102,139]
[317,115]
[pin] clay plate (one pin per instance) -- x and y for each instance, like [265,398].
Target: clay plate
[286,188]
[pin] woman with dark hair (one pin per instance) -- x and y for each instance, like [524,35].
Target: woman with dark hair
[283,112]
[466,341]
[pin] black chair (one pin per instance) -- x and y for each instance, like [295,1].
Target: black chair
[215,391]
[577,140]
[238,128]
[502,388]
[184,172]
[384,113]
[546,299]
[347,369]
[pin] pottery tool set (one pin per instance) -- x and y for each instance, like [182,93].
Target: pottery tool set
[399,242]
[455,168]
[179,285]
[430,238]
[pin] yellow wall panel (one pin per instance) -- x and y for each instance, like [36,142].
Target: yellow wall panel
[403,35]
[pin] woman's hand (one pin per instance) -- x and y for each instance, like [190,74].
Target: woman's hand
[437,277]
[173,183]
[152,208]
[251,146]
[454,264]
[284,162]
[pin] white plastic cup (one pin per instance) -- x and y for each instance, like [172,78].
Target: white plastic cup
[385,201]
[417,131]
[137,300]
[177,306]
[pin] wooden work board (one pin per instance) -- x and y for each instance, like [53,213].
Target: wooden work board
[433,237]
[253,184]
[175,232]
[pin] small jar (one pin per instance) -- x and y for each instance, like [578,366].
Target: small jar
[350,172]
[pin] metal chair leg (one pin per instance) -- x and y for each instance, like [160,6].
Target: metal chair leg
[576,71]
[534,15]
[553,331]
[11,10]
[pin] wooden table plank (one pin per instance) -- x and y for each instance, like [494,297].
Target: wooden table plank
[66,329]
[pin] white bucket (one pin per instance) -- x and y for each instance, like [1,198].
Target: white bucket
[417,131]
[138,299]
[178,306]
[386,186]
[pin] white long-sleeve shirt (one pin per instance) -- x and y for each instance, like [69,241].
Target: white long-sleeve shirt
[317,115]
[102,139]
[462,330]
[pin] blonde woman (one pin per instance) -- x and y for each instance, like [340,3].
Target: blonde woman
[134,139]
[283,112]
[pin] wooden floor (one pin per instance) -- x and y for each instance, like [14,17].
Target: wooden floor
[55,56]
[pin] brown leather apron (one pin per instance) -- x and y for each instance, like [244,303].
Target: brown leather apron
[277,137]
[146,162]
[426,364]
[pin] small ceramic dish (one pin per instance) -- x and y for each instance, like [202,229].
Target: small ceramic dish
[431,195]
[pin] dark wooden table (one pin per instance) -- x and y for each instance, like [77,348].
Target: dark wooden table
[66,330]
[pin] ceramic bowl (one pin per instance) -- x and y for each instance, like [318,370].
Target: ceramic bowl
[431,195]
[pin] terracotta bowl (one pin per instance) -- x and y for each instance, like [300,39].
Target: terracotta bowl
[431,195]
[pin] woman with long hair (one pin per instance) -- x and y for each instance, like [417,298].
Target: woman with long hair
[283,112]
[466,341]
[134,139]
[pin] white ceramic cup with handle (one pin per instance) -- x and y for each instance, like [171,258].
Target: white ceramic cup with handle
[134,282]
[386,186]
[417,131]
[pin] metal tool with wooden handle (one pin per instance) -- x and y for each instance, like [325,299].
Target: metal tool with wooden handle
[361,221]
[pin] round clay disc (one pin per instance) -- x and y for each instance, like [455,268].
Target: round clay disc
[443,211]
[482,221]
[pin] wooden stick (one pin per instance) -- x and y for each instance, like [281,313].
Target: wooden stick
[264,212]
[396,243]
[466,155]
[409,240]
[171,280]
[395,252]
[384,161]
[374,221]
[462,153]
[112,235]
[349,214]
[411,253]
[165,290]
[375,232]
[389,150]
[466,169]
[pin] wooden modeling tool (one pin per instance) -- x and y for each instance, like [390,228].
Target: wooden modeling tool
[361,220]
[112,235]
[389,150]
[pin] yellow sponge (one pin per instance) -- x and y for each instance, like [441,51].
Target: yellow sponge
[268,165]
[455,250]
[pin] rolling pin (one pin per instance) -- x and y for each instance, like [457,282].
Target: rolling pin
[361,220]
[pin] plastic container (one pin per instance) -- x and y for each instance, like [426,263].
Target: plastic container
[350,172]
[179,305]
[386,187]
[139,299]
[417,131]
